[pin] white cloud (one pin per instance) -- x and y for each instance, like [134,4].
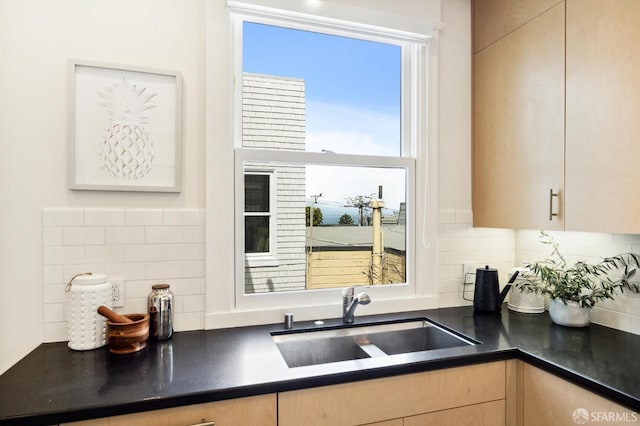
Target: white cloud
[350,130]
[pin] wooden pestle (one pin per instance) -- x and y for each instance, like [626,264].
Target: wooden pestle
[112,316]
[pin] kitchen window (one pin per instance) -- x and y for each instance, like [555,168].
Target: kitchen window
[334,112]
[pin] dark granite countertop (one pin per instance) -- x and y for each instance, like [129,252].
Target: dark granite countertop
[54,384]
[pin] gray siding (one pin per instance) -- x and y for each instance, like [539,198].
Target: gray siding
[273,117]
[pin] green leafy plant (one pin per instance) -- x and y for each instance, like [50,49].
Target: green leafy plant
[582,282]
[317,216]
[345,219]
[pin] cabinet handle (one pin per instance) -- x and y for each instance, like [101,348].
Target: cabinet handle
[204,423]
[551,213]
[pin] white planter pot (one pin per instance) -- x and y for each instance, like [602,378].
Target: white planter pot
[570,314]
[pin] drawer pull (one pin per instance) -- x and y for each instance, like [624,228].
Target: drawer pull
[551,213]
[204,423]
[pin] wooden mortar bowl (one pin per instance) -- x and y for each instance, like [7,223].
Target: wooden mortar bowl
[126,338]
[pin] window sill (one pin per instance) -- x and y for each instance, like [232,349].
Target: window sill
[242,318]
[261,261]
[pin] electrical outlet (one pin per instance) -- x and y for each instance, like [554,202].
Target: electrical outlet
[117,292]
[468,268]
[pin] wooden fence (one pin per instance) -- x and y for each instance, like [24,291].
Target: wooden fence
[341,268]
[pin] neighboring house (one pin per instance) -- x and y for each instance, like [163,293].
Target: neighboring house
[274,117]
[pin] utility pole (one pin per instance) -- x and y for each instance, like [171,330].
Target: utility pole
[377,250]
[311,211]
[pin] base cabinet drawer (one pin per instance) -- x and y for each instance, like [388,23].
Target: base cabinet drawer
[385,401]
[251,411]
[485,414]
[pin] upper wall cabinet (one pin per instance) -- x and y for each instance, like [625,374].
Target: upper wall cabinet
[494,19]
[603,116]
[518,164]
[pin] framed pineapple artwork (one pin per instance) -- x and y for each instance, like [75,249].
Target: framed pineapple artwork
[124,128]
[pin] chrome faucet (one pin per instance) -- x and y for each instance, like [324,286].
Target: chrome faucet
[351,302]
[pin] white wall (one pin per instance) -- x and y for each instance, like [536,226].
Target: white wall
[37,37]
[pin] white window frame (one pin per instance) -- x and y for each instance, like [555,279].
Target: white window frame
[270,258]
[414,59]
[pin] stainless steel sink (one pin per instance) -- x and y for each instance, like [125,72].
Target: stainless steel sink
[323,346]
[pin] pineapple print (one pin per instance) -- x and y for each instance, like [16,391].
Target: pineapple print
[127,150]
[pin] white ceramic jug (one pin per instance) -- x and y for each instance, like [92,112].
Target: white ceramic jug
[87,328]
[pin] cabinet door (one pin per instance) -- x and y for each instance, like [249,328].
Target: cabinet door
[552,401]
[496,18]
[603,116]
[252,411]
[519,126]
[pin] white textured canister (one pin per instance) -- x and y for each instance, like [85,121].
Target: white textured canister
[87,328]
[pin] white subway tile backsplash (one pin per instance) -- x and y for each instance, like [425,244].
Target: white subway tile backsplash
[135,305]
[144,252]
[62,217]
[192,234]
[60,255]
[182,217]
[144,217]
[83,235]
[105,254]
[163,270]
[185,286]
[187,251]
[611,319]
[55,293]
[124,235]
[131,271]
[53,274]
[141,247]
[193,268]
[459,242]
[53,312]
[163,234]
[104,217]
[52,236]
[193,303]
[55,332]
[136,289]
[183,321]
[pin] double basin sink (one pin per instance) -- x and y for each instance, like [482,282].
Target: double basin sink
[321,346]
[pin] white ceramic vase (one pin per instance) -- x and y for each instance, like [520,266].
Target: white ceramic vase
[570,314]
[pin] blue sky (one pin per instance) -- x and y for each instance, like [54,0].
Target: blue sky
[336,69]
[352,95]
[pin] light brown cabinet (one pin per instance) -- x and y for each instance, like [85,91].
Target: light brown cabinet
[473,395]
[494,19]
[551,401]
[518,146]
[603,111]
[252,411]
[550,120]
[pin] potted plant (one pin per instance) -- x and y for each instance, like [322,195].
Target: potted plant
[575,289]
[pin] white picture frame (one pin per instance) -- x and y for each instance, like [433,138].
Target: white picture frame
[125,128]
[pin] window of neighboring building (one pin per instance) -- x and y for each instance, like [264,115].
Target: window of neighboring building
[260,218]
[333,113]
